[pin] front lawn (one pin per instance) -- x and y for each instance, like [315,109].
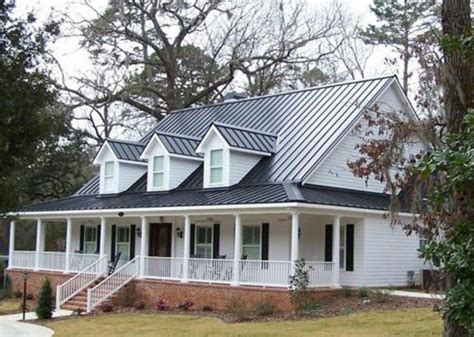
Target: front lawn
[411,322]
[10,306]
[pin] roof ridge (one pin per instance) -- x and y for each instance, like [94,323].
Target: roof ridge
[242,128]
[284,93]
[177,135]
[131,142]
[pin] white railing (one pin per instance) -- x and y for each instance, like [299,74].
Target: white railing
[113,283]
[78,262]
[265,273]
[210,270]
[163,267]
[55,261]
[320,273]
[23,259]
[80,281]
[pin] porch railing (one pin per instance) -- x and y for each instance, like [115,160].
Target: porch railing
[22,259]
[80,281]
[320,273]
[163,267]
[55,261]
[265,273]
[52,261]
[113,283]
[210,270]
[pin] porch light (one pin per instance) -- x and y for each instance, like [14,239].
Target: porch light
[139,232]
[299,232]
[179,232]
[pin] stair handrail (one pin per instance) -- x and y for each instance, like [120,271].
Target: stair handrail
[80,281]
[113,283]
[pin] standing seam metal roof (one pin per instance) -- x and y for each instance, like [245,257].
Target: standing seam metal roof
[245,138]
[126,150]
[178,144]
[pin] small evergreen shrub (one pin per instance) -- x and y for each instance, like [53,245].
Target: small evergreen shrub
[185,305]
[162,305]
[266,306]
[45,307]
[238,309]
[363,292]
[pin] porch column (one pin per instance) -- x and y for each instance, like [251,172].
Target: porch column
[295,225]
[12,244]
[143,245]
[103,231]
[187,242]
[68,245]
[335,250]
[237,250]
[39,236]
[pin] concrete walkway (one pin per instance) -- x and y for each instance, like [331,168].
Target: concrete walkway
[10,325]
[415,294]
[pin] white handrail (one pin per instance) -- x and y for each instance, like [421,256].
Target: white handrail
[80,281]
[113,283]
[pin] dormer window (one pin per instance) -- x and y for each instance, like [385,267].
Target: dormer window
[109,176]
[216,167]
[158,171]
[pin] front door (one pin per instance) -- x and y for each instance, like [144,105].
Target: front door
[160,239]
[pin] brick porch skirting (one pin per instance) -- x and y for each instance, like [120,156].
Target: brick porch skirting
[35,280]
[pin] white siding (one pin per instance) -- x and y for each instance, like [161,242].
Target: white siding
[240,164]
[180,169]
[389,253]
[129,174]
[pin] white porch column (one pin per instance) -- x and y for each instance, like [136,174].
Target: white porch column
[67,267]
[103,231]
[186,250]
[143,245]
[336,228]
[12,244]
[295,225]
[39,237]
[237,250]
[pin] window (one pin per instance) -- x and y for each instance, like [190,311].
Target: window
[108,176]
[90,240]
[158,171]
[123,242]
[342,248]
[423,240]
[204,242]
[216,161]
[251,242]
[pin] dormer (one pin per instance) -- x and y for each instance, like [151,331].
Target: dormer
[230,152]
[120,165]
[171,159]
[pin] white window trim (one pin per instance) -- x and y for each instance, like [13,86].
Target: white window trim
[117,241]
[220,183]
[260,244]
[158,172]
[88,242]
[196,238]
[343,247]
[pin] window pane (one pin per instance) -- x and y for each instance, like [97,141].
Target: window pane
[216,158]
[109,168]
[216,175]
[158,179]
[204,252]
[90,247]
[158,164]
[251,235]
[90,234]
[253,253]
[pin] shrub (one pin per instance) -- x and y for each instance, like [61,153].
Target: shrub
[18,294]
[381,296]
[299,282]
[347,292]
[139,305]
[266,306]
[128,296]
[185,305]
[30,297]
[207,308]
[45,307]
[162,305]
[106,307]
[311,307]
[238,309]
[363,292]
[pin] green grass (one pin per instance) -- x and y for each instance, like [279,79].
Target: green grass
[9,306]
[413,322]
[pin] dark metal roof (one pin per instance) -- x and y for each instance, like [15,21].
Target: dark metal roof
[91,187]
[246,138]
[125,150]
[308,122]
[179,144]
[237,195]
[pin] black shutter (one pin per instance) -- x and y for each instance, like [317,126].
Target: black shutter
[81,238]
[97,243]
[265,240]
[112,243]
[328,244]
[216,240]
[350,247]
[133,230]
[191,242]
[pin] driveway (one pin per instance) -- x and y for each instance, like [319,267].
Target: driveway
[11,327]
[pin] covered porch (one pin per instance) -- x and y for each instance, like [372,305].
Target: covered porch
[257,248]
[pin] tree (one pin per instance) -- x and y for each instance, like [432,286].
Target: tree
[437,182]
[45,306]
[401,23]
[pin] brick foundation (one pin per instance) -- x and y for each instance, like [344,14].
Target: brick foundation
[35,280]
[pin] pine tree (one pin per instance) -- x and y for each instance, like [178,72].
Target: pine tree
[45,307]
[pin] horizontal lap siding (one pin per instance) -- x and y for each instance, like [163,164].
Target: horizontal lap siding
[180,169]
[240,165]
[389,254]
[129,174]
